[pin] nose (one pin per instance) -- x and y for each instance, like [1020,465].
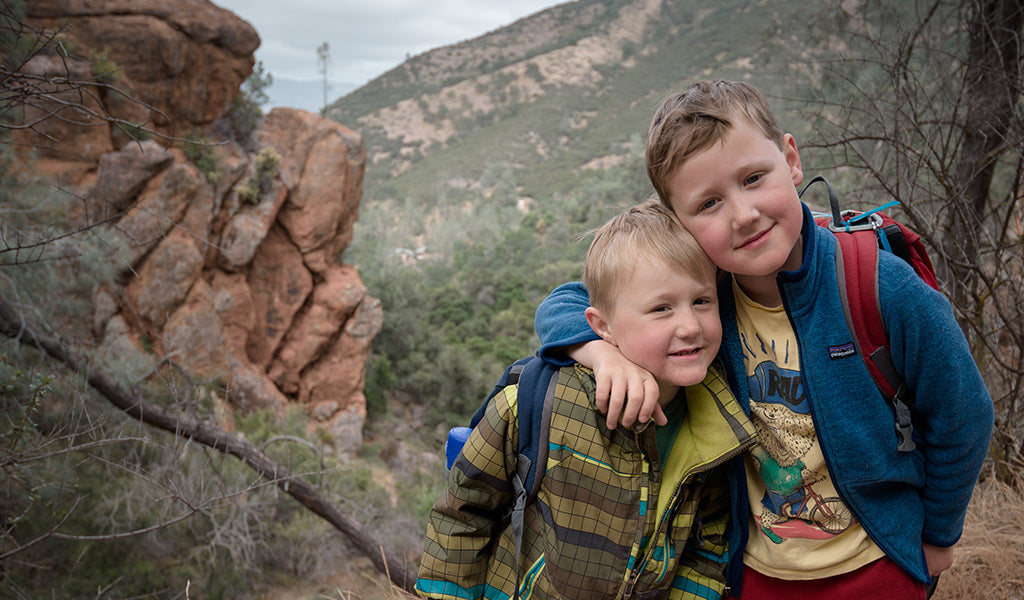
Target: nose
[687,324]
[744,214]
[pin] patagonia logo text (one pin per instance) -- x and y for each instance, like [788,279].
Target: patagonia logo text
[842,351]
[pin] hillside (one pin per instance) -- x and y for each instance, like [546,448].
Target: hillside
[556,105]
[564,90]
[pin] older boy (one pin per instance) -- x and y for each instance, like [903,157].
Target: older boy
[834,510]
[620,513]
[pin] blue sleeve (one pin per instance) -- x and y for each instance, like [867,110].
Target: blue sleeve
[953,408]
[561,321]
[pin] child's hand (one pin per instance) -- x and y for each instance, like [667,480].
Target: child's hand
[938,559]
[625,391]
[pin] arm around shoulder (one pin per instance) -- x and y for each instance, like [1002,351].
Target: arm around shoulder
[560,322]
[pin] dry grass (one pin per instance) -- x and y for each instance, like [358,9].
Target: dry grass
[989,560]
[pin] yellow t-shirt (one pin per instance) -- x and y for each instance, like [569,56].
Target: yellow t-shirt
[799,529]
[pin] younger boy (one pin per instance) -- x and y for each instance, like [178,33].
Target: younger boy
[834,510]
[636,513]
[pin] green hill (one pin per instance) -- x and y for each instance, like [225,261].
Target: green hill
[561,91]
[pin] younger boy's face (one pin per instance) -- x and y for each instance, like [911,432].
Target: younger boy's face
[664,321]
[739,200]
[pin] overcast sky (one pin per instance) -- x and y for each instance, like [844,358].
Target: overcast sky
[366,37]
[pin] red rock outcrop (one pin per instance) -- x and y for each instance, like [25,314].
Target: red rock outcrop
[168,67]
[248,290]
[185,58]
[232,272]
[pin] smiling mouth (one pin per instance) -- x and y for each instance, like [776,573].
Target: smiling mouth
[686,352]
[755,240]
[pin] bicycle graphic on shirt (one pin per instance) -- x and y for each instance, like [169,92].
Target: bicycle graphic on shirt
[829,514]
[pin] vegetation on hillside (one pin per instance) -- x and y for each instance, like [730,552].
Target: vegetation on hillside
[459,286]
[557,27]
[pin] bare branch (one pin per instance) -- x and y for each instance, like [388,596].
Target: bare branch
[136,407]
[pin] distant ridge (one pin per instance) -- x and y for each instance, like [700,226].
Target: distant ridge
[570,90]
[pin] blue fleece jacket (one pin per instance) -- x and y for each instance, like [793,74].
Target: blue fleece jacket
[902,499]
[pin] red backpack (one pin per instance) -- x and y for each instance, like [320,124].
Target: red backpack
[860,235]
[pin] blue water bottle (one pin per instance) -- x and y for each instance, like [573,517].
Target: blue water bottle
[457,437]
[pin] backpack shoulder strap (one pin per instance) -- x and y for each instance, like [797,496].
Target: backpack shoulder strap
[857,276]
[535,381]
[457,436]
[509,377]
[535,398]
[857,273]
[536,384]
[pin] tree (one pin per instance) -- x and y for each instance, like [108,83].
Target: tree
[323,61]
[924,109]
[247,107]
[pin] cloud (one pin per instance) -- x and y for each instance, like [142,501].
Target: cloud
[367,37]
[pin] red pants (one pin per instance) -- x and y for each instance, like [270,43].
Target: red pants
[880,579]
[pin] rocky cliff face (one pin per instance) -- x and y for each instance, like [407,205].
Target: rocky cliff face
[230,271]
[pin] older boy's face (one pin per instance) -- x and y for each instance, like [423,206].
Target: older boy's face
[739,200]
[666,322]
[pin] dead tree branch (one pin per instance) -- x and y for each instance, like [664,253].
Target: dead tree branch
[132,404]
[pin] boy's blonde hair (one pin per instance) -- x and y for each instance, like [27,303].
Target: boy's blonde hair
[648,230]
[695,118]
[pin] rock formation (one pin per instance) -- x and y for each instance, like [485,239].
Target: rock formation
[230,270]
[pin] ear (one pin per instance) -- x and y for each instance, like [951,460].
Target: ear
[792,159]
[599,324]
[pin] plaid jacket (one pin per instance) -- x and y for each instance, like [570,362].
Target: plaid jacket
[597,528]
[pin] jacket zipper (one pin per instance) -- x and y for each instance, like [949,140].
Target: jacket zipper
[638,570]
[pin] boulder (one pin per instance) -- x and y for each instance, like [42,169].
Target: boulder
[194,335]
[339,375]
[248,226]
[280,285]
[164,280]
[66,121]
[122,175]
[233,302]
[326,162]
[160,207]
[333,302]
[186,59]
[250,390]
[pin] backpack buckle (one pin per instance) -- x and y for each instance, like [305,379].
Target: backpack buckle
[851,220]
[904,421]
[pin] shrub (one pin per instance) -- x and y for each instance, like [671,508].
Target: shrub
[266,166]
[246,108]
[202,154]
[103,69]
